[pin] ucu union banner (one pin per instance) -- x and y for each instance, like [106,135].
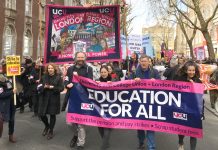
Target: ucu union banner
[164,106]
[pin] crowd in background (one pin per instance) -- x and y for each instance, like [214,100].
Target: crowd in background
[40,86]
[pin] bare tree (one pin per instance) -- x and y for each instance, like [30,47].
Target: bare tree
[183,26]
[194,5]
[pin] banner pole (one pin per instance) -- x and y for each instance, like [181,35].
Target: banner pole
[126,34]
[14,85]
[40,39]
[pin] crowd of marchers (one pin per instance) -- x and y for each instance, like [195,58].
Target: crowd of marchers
[39,86]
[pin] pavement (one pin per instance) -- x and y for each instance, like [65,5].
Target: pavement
[208,106]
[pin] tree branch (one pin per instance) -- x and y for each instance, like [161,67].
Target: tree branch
[212,16]
[186,4]
[186,17]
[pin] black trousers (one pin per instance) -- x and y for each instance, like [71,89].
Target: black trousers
[1,125]
[35,100]
[11,121]
[52,121]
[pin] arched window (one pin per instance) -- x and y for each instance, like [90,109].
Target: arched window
[10,4]
[27,44]
[9,41]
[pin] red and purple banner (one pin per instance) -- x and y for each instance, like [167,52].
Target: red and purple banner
[94,30]
[164,106]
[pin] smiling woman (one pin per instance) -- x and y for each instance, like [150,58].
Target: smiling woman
[49,88]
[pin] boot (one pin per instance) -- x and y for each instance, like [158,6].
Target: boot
[12,139]
[45,131]
[73,141]
[50,135]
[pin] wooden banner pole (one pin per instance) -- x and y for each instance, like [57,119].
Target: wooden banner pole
[40,38]
[15,87]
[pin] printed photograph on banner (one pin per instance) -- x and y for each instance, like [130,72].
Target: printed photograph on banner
[92,30]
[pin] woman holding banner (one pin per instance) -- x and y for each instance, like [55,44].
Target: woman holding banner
[105,133]
[188,73]
[49,88]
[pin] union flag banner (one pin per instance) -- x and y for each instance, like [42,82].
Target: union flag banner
[93,30]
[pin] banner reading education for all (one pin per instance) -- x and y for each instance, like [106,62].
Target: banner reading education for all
[94,30]
[164,106]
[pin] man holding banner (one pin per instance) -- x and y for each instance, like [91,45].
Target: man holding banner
[145,71]
[82,69]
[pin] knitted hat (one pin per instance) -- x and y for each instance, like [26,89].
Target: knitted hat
[28,61]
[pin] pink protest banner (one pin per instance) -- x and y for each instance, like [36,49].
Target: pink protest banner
[164,106]
[93,30]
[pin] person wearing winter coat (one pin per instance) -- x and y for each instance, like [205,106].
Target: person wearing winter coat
[146,71]
[80,68]
[105,133]
[49,88]
[189,73]
[7,108]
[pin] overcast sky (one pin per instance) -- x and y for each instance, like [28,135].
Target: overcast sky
[142,13]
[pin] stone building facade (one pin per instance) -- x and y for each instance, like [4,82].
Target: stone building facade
[20,27]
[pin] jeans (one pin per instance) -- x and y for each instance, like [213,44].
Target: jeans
[79,131]
[150,138]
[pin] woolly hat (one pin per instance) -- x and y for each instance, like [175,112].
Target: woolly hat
[28,61]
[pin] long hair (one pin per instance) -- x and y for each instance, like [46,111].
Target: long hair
[105,41]
[112,67]
[183,71]
[54,66]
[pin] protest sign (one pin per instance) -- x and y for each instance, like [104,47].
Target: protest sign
[13,65]
[165,106]
[13,69]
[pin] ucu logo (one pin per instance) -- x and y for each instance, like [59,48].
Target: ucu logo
[180,116]
[58,12]
[104,10]
[87,106]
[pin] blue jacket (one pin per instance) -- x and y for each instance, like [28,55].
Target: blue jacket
[147,74]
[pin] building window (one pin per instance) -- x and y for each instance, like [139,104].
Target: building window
[28,7]
[9,41]
[10,4]
[27,44]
